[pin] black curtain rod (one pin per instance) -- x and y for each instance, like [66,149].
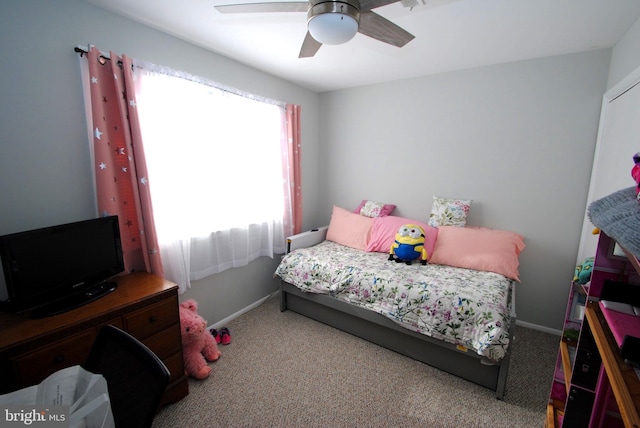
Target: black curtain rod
[83,51]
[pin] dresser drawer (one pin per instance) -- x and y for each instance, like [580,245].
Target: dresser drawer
[166,342]
[152,319]
[34,366]
[175,364]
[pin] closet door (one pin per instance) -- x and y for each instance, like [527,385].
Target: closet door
[618,141]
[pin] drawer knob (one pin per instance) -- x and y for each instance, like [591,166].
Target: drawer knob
[153,318]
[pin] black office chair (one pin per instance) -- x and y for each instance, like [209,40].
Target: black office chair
[136,377]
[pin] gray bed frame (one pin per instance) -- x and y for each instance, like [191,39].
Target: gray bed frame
[382,331]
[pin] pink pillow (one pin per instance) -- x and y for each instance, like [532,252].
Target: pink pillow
[349,229]
[384,232]
[479,248]
[374,209]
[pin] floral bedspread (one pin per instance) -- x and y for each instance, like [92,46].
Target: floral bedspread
[461,306]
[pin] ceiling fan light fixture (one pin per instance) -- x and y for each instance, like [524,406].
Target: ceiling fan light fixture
[333,22]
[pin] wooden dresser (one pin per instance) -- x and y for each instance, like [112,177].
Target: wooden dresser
[143,304]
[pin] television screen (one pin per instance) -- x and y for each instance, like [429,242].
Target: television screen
[68,261]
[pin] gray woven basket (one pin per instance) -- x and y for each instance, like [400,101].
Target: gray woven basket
[618,215]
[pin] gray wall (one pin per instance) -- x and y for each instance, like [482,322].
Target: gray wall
[625,58]
[45,175]
[516,138]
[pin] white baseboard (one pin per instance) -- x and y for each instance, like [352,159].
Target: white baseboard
[233,316]
[539,327]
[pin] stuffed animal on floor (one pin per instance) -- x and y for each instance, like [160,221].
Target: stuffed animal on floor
[198,346]
[409,245]
[583,271]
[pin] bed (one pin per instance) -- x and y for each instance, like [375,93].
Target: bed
[457,319]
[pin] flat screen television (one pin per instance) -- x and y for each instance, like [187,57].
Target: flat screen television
[57,268]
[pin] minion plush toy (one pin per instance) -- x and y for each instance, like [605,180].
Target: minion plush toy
[409,245]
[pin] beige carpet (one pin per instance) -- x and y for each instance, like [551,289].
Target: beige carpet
[285,370]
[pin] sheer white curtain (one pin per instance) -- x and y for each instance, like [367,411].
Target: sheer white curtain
[214,163]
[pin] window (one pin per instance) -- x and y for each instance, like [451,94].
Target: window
[215,166]
[203,178]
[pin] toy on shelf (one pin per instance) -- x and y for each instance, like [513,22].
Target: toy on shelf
[583,271]
[635,173]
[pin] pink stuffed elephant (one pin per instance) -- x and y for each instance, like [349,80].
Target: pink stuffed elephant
[197,342]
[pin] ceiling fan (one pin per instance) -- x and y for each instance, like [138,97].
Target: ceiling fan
[333,22]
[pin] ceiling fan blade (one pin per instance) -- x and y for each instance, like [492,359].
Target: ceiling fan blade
[379,28]
[309,47]
[264,7]
[367,5]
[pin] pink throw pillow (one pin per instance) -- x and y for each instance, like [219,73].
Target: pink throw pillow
[349,229]
[374,209]
[479,248]
[384,232]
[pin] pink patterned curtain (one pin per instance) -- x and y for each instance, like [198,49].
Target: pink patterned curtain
[293,195]
[121,172]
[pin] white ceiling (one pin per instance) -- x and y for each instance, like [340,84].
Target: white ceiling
[450,35]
